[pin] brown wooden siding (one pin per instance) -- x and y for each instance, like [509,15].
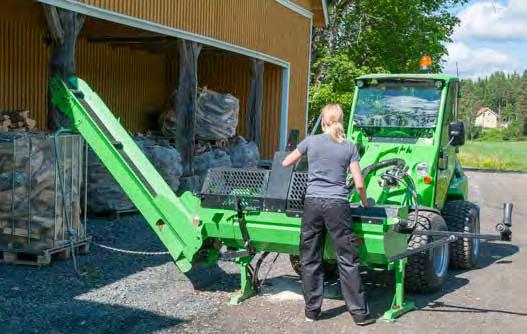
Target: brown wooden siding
[262,25]
[130,82]
[23,68]
[135,84]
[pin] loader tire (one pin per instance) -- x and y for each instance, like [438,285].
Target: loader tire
[426,271]
[331,270]
[462,216]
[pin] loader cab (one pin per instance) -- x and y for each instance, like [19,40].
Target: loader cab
[413,117]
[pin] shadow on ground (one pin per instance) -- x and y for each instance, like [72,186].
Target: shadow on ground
[74,316]
[379,286]
[46,299]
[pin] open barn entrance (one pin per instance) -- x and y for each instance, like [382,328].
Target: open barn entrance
[137,74]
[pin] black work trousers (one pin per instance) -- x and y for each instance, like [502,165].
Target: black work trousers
[323,215]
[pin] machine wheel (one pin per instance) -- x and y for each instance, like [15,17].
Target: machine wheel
[331,269]
[426,271]
[462,216]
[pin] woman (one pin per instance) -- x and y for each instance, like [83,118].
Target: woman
[327,208]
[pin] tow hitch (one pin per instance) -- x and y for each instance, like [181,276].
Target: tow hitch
[503,228]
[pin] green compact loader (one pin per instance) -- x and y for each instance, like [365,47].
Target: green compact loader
[408,135]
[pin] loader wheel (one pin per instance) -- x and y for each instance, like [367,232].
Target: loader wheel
[462,216]
[331,269]
[426,271]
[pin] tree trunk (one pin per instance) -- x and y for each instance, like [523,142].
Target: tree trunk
[64,27]
[181,119]
[255,102]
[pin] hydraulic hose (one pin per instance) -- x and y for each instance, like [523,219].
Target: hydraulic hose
[377,166]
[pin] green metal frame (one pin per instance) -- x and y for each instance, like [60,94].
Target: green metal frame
[183,225]
[169,216]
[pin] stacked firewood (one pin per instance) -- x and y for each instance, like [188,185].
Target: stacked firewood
[105,195]
[31,215]
[17,120]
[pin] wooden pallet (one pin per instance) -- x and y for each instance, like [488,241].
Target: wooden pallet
[43,257]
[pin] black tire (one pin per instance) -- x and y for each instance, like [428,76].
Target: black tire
[331,270]
[462,216]
[426,271]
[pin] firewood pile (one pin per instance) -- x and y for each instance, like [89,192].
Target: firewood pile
[31,213]
[233,152]
[104,193]
[16,121]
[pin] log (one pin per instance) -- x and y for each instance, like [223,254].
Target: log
[16,120]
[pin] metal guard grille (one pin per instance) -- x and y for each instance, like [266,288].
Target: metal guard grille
[297,191]
[236,182]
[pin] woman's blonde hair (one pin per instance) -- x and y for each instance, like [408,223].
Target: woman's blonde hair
[332,117]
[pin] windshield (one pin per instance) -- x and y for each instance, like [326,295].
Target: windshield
[398,104]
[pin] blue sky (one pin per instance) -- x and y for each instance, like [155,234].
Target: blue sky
[492,36]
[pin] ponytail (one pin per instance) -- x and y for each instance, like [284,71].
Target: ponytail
[336,132]
[332,116]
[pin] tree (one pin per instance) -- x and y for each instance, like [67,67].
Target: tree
[521,106]
[375,36]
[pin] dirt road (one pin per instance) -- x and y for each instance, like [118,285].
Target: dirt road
[125,294]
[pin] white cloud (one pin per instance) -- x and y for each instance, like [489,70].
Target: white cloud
[491,20]
[479,61]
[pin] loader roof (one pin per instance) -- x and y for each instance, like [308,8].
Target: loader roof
[433,76]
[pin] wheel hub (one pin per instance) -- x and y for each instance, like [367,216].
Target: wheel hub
[440,258]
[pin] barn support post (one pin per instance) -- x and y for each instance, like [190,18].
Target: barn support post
[255,102]
[64,28]
[179,122]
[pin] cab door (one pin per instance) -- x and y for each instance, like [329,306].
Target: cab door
[447,153]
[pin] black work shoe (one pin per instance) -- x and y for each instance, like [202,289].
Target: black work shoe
[363,320]
[311,316]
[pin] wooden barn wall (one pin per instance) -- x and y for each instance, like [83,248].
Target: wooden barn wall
[228,73]
[135,84]
[131,82]
[240,22]
[24,59]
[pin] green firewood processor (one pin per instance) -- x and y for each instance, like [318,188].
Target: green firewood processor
[406,128]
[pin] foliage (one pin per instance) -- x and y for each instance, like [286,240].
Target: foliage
[338,84]
[506,94]
[371,36]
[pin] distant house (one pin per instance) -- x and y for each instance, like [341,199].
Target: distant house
[486,118]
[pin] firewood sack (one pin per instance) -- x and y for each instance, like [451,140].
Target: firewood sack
[216,115]
[105,194]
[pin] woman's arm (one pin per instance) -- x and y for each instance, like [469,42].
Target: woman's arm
[292,158]
[359,182]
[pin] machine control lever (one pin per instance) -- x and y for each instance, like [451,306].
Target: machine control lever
[243,228]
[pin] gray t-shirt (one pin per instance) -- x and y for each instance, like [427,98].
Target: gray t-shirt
[328,165]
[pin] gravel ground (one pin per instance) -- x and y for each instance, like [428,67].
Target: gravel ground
[139,294]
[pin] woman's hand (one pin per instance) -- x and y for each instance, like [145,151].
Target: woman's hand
[292,158]
[359,182]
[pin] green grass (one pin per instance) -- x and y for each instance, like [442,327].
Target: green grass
[504,155]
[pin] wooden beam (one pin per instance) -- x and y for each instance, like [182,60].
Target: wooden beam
[255,102]
[179,121]
[131,40]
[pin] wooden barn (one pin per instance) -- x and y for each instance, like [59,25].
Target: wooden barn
[130,51]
